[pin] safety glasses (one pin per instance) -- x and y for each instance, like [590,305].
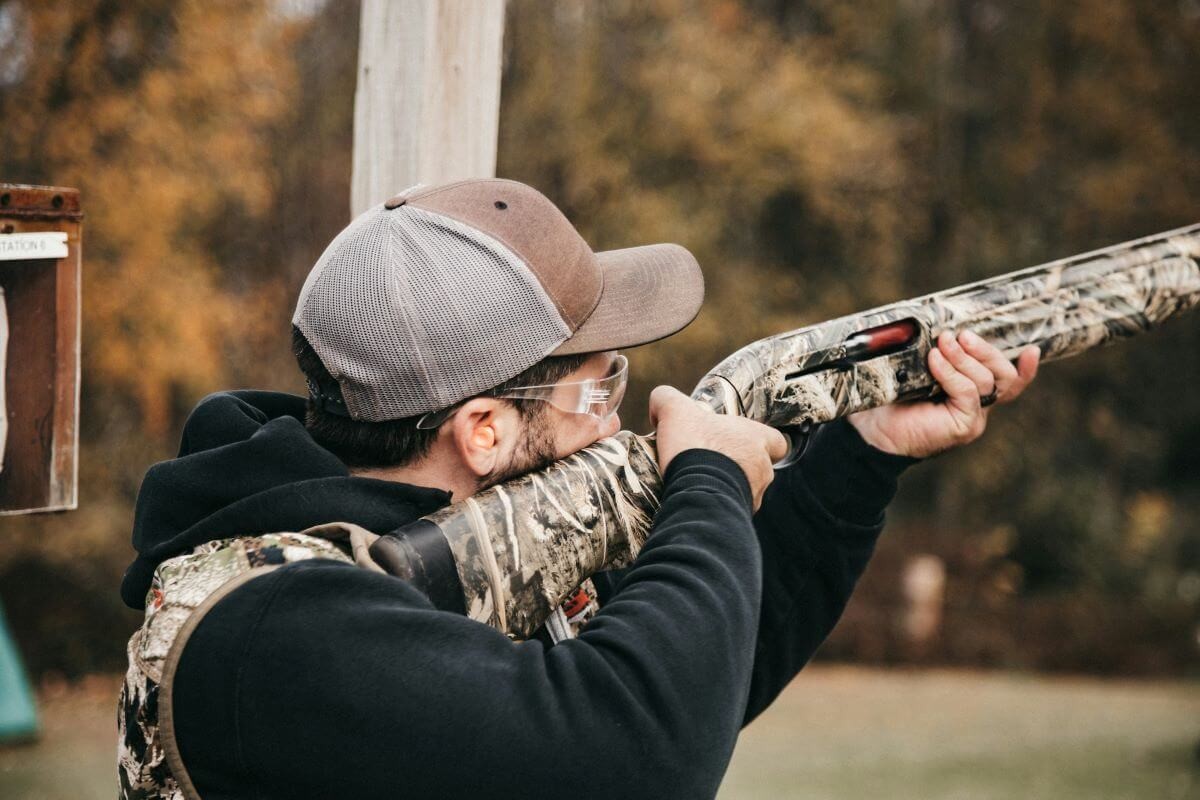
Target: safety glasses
[596,397]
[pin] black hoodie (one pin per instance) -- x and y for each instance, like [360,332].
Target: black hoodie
[322,679]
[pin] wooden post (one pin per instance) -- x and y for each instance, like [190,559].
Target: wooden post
[427,106]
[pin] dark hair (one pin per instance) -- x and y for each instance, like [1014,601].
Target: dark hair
[398,442]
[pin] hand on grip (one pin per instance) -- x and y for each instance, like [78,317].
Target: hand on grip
[682,424]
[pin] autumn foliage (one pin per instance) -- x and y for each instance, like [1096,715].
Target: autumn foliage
[818,157]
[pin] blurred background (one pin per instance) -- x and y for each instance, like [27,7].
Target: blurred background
[819,158]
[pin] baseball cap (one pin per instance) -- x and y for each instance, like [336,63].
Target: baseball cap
[447,291]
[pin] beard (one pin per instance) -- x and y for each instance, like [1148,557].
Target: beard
[536,451]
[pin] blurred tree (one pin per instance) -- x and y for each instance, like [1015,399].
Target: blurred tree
[819,158]
[1045,130]
[179,121]
[701,123]
[134,103]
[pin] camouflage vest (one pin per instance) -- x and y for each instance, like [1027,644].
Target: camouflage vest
[183,590]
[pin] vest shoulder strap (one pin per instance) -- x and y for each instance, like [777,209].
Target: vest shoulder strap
[184,590]
[166,713]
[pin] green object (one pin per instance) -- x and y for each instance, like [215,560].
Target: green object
[18,714]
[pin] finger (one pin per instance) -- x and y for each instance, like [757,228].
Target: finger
[661,398]
[763,482]
[1003,372]
[777,445]
[1027,369]
[966,364]
[961,392]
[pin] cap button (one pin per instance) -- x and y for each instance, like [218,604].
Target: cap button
[396,201]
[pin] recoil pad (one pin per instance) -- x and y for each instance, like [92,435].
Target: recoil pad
[419,553]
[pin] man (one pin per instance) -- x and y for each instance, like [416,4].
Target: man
[452,338]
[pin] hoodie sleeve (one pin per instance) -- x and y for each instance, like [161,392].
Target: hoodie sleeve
[324,680]
[817,526]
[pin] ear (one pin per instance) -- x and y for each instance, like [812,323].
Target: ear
[481,431]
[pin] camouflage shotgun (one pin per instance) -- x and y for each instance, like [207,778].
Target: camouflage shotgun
[515,556]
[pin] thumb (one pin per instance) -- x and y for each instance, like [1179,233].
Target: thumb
[777,446]
[663,398]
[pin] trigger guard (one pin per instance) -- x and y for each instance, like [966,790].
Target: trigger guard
[798,437]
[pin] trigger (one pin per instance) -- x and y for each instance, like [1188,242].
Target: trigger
[798,437]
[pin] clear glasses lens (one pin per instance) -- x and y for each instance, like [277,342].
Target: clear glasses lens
[597,397]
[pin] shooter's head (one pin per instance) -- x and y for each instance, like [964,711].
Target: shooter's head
[469,333]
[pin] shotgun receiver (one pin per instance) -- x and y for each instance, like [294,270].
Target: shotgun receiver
[511,555]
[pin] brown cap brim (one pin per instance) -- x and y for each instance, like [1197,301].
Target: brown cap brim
[649,292]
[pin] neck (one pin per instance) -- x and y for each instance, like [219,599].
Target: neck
[424,473]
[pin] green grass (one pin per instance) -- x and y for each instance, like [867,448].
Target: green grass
[837,732]
[75,756]
[852,733]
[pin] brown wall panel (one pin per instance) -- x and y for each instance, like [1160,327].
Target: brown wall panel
[42,392]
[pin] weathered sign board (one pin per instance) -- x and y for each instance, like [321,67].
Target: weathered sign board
[40,229]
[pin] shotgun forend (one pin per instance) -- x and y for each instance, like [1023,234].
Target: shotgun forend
[816,374]
[521,548]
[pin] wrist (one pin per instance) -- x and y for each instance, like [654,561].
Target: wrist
[872,435]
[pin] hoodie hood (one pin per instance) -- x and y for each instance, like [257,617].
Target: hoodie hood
[246,466]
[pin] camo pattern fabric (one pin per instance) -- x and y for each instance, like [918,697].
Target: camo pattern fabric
[180,585]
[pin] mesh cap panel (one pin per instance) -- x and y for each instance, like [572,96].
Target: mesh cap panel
[412,311]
